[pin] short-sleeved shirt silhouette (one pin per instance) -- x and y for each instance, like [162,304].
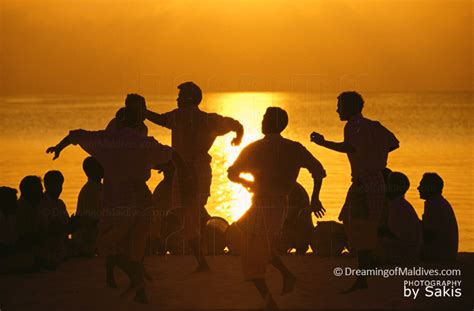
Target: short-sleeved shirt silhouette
[274,162]
[439,218]
[127,158]
[372,143]
[194,131]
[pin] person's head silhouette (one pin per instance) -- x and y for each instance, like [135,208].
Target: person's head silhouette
[137,104]
[397,185]
[430,185]
[274,121]
[31,189]
[8,199]
[189,95]
[93,169]
[349,104]
[53,184]
[128,117]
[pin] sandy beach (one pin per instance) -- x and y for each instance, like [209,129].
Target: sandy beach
[79,284]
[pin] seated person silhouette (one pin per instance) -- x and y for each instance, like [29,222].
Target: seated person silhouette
[193,133]
[89,207]
[137,104]
[8,232]
[54,221]
[127,158]
[403,244]
[13,258]
[28,213]
[440,228]
[274,162]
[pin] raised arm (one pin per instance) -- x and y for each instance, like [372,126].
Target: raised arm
[342,147]
[90,141]
[157,118]
[66,141]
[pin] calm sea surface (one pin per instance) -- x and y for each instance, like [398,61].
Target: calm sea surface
[435,131]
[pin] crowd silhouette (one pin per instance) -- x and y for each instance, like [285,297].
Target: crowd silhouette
[119,218]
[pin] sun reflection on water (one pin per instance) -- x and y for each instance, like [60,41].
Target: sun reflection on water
[232,199]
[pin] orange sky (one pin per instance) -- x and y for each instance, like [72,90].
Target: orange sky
[115,46]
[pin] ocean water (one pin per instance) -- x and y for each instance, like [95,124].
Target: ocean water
[434,129]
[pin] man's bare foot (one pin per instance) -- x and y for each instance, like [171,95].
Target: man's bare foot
[141,297]
[359,284]
[288,284]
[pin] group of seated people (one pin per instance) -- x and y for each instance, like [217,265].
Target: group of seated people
[404,238]
[36,231]
[34,227]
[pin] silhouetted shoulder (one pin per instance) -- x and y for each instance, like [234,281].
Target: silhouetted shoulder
[250,148]
[308,161]
[295,144]
[247,156]
[384,135]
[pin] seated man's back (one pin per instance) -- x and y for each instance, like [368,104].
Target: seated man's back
[27,218]
[440,229]
[53,213]
[439,220]
[89,201]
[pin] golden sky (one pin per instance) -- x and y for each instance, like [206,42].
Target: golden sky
[149,46]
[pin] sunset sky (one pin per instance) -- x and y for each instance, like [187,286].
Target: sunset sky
[114,46]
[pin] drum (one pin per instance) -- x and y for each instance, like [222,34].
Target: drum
[214,235]
[173,237]
[233,238]
[298,226]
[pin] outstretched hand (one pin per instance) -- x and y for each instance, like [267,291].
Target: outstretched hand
[236,141]
[56,150]
[317,138]
[317,208]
